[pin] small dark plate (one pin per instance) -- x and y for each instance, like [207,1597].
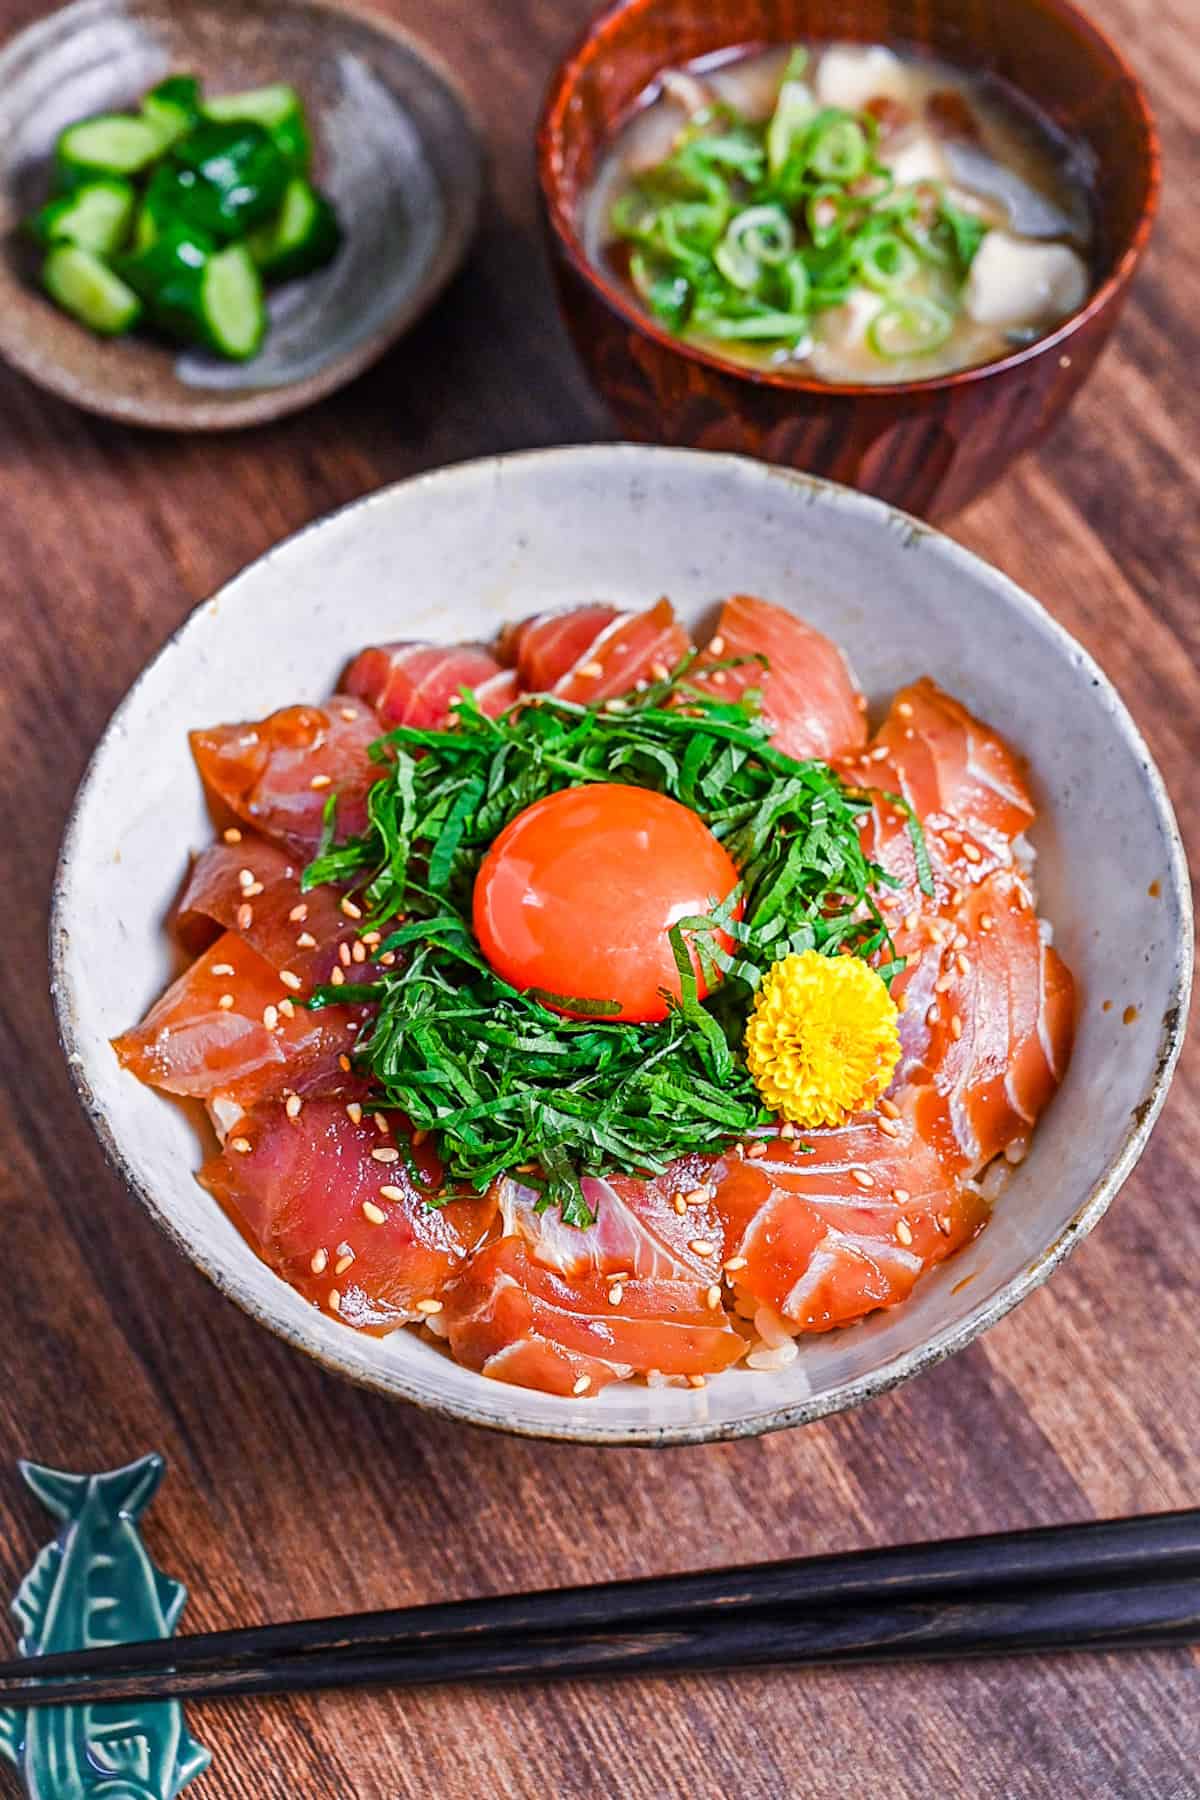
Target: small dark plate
[395,148]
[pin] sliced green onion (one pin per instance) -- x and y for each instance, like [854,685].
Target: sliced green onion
[912,327]
[886,262]
[794,111]
[760,237]
[796,283]
[838,149]
[762,325]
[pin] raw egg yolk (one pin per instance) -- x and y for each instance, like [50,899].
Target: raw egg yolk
[577,895]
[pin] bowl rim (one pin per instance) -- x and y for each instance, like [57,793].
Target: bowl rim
[560,220]
[593,1430]
[208,412]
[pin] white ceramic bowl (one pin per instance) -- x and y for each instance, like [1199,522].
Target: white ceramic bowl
[452,555]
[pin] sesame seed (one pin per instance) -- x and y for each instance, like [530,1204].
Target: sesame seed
[306,941]
[380,1123]
[616,706]
[245,916]
[972,853]
[582,1385]
[225,1002]
[696,1381]
[758,1149]
[879,754]
[320,1262]
[911,920]
[344,955]
[241,1145]
[286,1009]
[253,891]
[712,1297]
[680,1204]
[351,911]
[354,1112]
[943,1224]
[787,1129]
[321,781]
[959,941]
[344,1064]
[955,1026]
[246,878]
[986,922]
[337,976]
[901,1196]
[348,713]
[222,969]
[890,1128]
[292,1106]
[374,1215]
[904,1231]
[232,835]
[616,1294]
[700,1247]
[591,669]
[299,913]
[371,937]
[718,678]
[270,1017]
[863,1177]
[429,1307]
[889,1109]
[343,1263]
[659,670]
[335,1300]
[961,963]
[385,1155]
[358,953]
[696,1197]
[734,1264]
[932,1016]
[388,958]
[905,709]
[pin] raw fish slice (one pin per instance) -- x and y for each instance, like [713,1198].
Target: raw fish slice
[638,1229]
[500,691]
[264,911]
[944,761]
[515,1319]
[829,1233]
[413,684]
[544,647]
[632,647]
[810,697]
[300,1191]
[1001,1038]
[189,1043]
[278,773]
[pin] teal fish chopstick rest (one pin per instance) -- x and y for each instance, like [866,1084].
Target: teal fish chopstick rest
[94,1585]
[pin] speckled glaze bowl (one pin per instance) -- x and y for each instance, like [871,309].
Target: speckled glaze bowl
[490,541]
[929,446]
[394,147]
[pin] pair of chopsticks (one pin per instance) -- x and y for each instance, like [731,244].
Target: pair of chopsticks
[1121,1584]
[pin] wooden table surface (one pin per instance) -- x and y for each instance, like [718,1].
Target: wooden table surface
[292,1493]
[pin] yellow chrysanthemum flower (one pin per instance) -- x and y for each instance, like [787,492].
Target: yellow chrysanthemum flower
[822,1041]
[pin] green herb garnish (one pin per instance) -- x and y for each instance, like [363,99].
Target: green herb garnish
[501,1080]
[746,230]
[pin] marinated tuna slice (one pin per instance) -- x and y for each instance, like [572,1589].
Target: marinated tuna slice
[821,1236]
[349,1229]
[253,888]
[515,1319]
[809,695]
[544,647]
[946,762]
[279,773]
[664,1228]
[497,693]
[413,684]
[229,1027]
[632,647]
[1003,1023]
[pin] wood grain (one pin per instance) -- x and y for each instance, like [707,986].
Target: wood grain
[291,1492]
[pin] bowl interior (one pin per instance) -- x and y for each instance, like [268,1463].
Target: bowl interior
[394,149]
[491,541]
[1044,49]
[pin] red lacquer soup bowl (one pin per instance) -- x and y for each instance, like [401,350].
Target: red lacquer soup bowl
[929,446]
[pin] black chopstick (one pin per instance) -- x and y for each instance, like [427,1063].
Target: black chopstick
[1100,1615]
[1150,1546]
